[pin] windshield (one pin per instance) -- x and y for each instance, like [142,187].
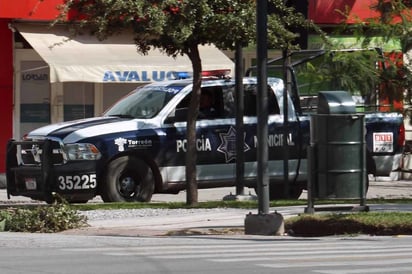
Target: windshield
[143,103]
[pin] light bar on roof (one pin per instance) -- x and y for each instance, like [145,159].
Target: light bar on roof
[178,75]
[219,73]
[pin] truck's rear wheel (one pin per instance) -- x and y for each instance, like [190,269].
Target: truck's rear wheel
[277,192]
[128,179]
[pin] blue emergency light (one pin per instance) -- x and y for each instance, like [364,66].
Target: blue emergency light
[182,75]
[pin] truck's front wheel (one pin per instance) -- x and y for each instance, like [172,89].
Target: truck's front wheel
[128,179]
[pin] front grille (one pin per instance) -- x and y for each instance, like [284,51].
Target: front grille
[34,153]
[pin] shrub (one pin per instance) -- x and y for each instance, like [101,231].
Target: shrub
[54,218]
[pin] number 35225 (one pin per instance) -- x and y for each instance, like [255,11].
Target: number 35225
[70,182]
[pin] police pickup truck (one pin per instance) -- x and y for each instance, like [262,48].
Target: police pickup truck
[138,146]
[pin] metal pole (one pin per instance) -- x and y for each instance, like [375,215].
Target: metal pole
[310,171]
[363,167]
[286,82]
[240,155]
[262,110]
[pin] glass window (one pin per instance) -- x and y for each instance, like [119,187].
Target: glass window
[78,100]
[143,103]
[250,94]
[114,92]
[216,102]
[34,95]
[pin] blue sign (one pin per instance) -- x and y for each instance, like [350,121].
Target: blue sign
[135,76]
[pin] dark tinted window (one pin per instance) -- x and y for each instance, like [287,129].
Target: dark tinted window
[251,101]
[218,102]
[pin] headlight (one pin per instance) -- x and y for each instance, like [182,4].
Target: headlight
[82,152]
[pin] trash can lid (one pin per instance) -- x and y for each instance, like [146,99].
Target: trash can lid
[335,102]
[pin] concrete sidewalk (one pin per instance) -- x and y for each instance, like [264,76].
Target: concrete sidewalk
[228,221]
[231,220]
[218,221]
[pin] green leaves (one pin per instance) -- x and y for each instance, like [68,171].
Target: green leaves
[391,27]
[173,25]
[55,218]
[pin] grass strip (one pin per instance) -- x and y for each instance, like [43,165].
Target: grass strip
[371,223]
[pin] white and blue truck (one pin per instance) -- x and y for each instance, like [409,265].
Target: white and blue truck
[137,147]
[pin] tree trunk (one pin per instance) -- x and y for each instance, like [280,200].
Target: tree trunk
[191,154]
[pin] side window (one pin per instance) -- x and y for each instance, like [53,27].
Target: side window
[250,100]
[229,101]
[180,114]
[212,105]
[273,106]
[250,107]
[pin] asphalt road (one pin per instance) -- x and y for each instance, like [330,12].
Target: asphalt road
[120,251]
[64,254]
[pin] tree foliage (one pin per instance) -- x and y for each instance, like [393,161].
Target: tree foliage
[351,70]
[175,25]
[178,27]
[393,25]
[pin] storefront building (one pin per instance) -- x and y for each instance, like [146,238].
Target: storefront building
[47,79]
[44,79]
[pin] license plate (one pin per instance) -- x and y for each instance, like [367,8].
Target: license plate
[30,183]
[383,142]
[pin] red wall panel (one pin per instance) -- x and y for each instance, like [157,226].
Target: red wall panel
[329,11]
[30,9]
[6,89]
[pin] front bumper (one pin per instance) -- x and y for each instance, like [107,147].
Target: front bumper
[40,176]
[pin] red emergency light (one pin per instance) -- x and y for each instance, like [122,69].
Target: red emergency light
[218,73]
[215,74]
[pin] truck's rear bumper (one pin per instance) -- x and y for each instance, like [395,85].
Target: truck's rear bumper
[385,164]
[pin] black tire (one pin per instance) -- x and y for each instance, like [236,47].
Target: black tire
[70,201]
[276,192]
[128,179]
[77,201]
[370,163]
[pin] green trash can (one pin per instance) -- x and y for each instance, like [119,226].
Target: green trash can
[338,139]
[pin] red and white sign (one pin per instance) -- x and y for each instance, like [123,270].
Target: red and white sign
[383,142]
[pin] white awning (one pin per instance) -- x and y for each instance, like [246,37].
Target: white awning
[86,59]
